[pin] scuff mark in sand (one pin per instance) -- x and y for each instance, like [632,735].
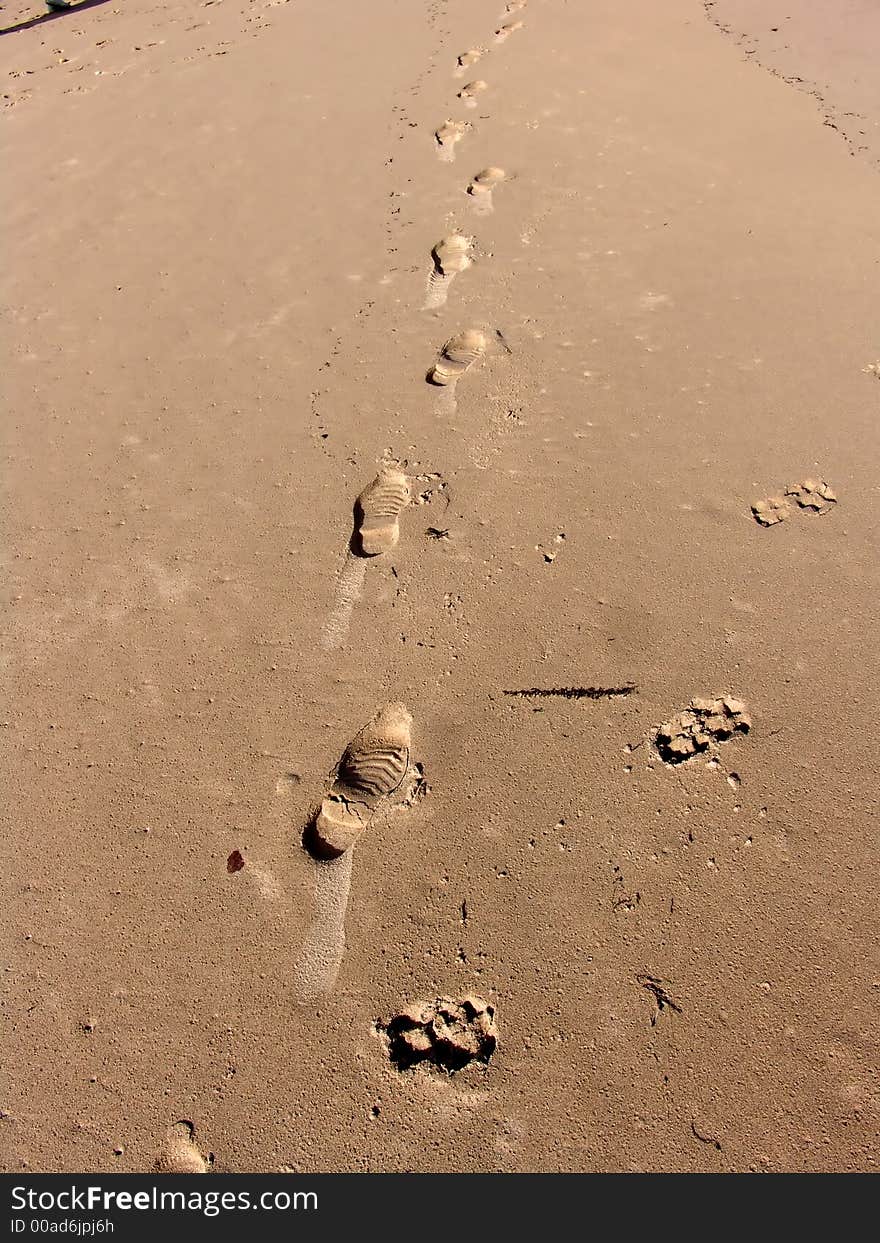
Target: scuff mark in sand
[349,586]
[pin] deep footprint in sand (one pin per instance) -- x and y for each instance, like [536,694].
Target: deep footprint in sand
[505,31]
[468,58]
[375,767]
[704,723]
[446,137]
[377,512]
[450,257]
[457,355]
[468,93]
[481,187]
[180,1154]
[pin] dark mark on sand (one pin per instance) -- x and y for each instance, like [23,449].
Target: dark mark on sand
[662,998]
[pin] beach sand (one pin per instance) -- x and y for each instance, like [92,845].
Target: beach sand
[221,223]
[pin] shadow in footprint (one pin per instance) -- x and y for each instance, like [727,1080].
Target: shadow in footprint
[314,846]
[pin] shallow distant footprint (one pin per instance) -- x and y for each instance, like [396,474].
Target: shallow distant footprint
[180,1154]
[450,256]
[774,509]
[456,356]
[377,512]
[505,31]
[468,58]
[481,187]
[374,766]
[468,93]
[446,137]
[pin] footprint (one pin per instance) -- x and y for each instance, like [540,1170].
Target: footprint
[505,31]
[456,356]
[449,133]
[377,511]
[374,766]
[180,1154]
[468,94]
[320,958]
[481,187]
[468,58]
[704,722]
[813,494]
[450,256]
[349,587]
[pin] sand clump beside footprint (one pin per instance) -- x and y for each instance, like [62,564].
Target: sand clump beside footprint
[814,494]
[450,257]
[447,1033]
[374,767]
[774,509]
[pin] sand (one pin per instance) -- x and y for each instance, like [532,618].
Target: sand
[221,226]
[827,48]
